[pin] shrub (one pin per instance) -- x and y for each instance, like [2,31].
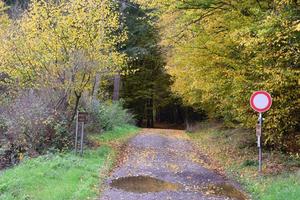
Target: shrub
[30,125]
[108,115]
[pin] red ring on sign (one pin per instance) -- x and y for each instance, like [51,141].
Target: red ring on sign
[261,109]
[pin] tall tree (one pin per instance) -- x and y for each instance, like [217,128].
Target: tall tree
[146,84]
[64,45]
[219,52]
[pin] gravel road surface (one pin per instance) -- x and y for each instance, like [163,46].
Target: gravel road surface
[161,165]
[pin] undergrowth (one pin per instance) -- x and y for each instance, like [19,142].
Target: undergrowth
[234,153]
[64,175]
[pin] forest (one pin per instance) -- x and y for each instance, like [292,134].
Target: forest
[219,52]
[148,63]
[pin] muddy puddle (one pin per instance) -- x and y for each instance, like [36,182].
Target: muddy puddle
[145,184]
[225,190]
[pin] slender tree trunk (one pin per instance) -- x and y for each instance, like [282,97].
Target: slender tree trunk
[117,77]
[96,86]
[186,119]
[149,111]
[117,80]
[78,96]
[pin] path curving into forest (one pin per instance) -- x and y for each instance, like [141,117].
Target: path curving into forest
[163,164]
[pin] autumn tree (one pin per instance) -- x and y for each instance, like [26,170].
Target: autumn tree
[63,45]
[50,56]
[219,52]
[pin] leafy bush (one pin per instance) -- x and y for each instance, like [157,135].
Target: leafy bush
[30,126]
[108,115]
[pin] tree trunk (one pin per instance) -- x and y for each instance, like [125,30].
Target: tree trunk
[96,86]
[117,77]
[78,96]
[149,111]
[117,80]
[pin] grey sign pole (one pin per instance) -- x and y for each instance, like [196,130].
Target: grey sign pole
[81,142]
[81,118]
[76,133]
[260,101]
[259,133]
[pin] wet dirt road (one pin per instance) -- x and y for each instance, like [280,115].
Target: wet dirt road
[161,165]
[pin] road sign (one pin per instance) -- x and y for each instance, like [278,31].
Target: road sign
[82,117]
[261,101]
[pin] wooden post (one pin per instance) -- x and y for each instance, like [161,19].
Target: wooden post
[76,132]
[82,135]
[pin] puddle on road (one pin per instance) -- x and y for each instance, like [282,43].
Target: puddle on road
[226,190]
[143,184]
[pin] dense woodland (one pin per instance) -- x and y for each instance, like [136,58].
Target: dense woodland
[219,52]
[163,61]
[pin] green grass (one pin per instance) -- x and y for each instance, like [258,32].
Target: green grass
[62,176]
[280,187]
[119,134]
[234,152]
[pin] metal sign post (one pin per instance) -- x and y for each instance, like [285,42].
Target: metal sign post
[81,118]
[260,101]
[81,138]
[258,134]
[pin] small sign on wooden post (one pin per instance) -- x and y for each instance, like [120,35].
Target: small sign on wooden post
[82,118]
[260,101]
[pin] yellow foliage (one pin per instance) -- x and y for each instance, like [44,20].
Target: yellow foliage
[219,53]
[64,45]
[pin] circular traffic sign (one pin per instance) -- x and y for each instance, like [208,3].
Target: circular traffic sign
[261,101]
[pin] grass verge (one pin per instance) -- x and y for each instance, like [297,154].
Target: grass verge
[64,176]
[234,153]
[118,136]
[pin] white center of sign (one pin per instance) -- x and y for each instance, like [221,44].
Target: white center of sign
[261,101]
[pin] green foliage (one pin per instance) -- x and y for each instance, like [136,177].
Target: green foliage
[62,139]
[248,163]
[112,115]
[146,85]
[109,115]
